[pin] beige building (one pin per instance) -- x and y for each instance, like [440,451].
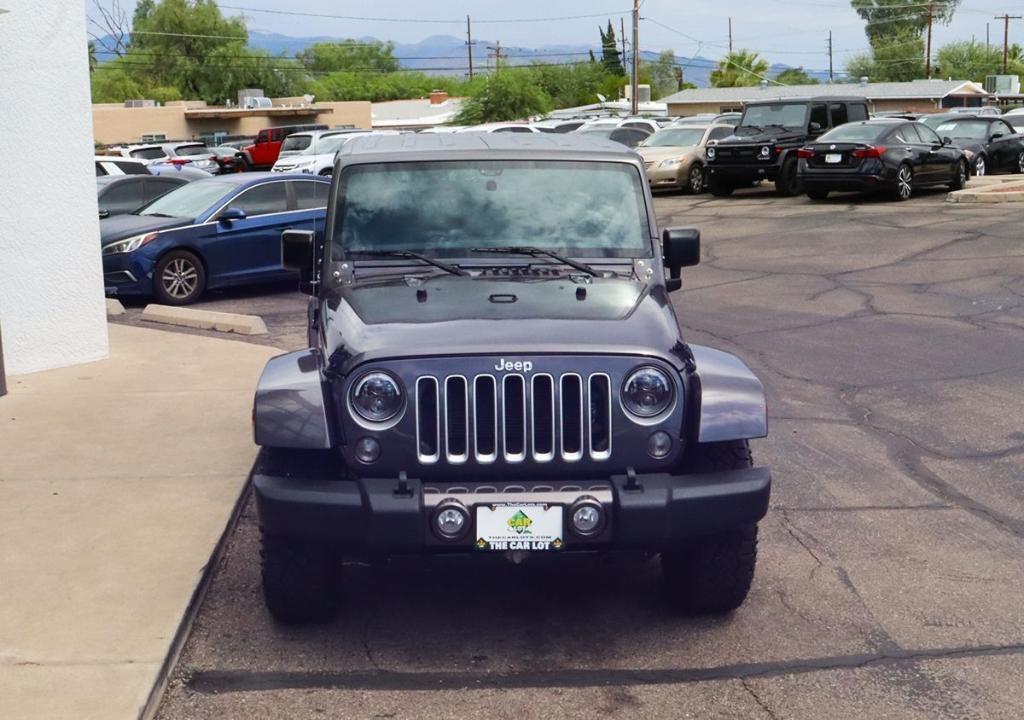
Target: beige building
[116,123]
[916,96]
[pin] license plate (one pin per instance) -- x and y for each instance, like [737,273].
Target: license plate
[519,526]
[834,158]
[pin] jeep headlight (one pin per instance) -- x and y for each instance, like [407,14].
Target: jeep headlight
[647,392]
[765,153]
[130,244]
[712,153]
[377,397]
[670,163]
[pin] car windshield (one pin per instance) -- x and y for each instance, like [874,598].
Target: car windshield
[444,209]
[188,201]
[682,137]
[933,121]
[854,132]
[786,115]
[327,145]
[1017,121]
[190,150]
[966,129]
[294,143]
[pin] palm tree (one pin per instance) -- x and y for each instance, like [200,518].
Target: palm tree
[92,56]
[742,68]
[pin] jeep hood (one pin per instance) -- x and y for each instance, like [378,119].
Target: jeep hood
[449,315]
[751,136]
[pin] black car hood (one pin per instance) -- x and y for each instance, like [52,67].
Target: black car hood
[974,146]
[449,315]
[120,227]
[751,136]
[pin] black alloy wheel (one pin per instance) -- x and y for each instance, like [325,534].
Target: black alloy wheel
[960,175]
[904,187]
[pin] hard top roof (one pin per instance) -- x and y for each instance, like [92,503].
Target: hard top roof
[442,146]
[804,100]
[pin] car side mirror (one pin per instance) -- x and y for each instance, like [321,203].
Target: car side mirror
[680,248]
[814,127]
[104,213]
[995,136]
[297,253]
[229,214]
[947,141]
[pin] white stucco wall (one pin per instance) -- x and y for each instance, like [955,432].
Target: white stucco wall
[52,311]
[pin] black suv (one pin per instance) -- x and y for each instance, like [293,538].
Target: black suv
[495,367]
[765,144]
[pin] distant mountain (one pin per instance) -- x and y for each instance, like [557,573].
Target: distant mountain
[446,54]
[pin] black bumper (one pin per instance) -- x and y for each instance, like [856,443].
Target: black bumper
[745,173]
[657,512]
[841,182]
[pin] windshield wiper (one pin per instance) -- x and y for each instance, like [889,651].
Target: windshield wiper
[453,269]
[535,251]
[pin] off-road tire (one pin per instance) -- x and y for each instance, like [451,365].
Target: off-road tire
[788,183]
[817,193]
[299,580]
[719,187]
[712,574]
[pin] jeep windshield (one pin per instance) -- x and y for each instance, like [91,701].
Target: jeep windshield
[449,208]
[786,115]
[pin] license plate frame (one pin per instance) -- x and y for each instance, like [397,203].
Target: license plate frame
[534,527]
[833,158]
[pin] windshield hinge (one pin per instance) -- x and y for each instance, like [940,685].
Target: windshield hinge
[344,272]
[643,269]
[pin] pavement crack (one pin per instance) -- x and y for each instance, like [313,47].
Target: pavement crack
[757,698]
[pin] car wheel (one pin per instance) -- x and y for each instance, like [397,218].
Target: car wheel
[1020,163]
[904,187]
[695,180]
[817,193]
[719,187]
[960,175]
[980,166]
[713,574]
[299,580]
[179,278]
[788,183]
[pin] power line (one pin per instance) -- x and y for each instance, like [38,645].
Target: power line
[418,21]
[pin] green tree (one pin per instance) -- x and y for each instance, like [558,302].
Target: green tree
[572,85]
[894,58]
[666,75]
[112,84]
[509,95]
[969,60]
[349,55]
[610,56]
[742,68]
[91,49]
[143,9]
[888,17]
[795,76]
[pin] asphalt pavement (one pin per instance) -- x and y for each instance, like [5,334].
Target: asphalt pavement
[890,338]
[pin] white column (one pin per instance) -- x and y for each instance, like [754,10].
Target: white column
[52,310]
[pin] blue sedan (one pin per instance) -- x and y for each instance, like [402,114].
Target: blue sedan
[211,233]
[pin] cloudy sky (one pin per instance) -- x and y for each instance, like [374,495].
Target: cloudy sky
[794,32]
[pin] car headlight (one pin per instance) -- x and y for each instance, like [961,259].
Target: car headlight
[377,397]
[670,163]
[712,153]
[647,392]
[765,153]
[130,244]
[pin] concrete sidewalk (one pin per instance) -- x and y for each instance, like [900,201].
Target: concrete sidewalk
[117,479]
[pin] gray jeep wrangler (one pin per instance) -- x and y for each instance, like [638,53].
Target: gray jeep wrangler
[494,366]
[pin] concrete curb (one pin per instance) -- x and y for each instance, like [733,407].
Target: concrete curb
[114,307]
[205,319]
[1009,191]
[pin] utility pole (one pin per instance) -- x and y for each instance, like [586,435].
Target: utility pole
[1006,38]
[988,39]
[469,45]
[496,55]
[831,77]
[635,80]
[730,36]
[928,51]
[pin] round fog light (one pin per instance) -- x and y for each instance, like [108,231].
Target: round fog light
[586,517]
[659,444]
[367,450]
[451,522]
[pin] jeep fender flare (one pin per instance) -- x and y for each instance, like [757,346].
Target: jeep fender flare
[730,399]
[291,409]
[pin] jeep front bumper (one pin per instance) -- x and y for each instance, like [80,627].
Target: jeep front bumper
[650,512]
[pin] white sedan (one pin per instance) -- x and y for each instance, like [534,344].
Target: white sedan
[318,158]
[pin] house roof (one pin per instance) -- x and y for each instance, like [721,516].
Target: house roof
[915,89]
[409,113]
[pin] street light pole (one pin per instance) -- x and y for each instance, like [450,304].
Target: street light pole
[635,82]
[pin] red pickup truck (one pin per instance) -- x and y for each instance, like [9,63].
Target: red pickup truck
[262,154]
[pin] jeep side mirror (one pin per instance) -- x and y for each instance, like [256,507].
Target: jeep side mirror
[297,251]
[995,136]
[814,127]
[680,248]
[104,213]
[229,214]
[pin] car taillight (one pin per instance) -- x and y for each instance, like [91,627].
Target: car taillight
[869,152]
[179,161]
[805,153]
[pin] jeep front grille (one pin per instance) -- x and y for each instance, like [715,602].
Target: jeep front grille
[514,418]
